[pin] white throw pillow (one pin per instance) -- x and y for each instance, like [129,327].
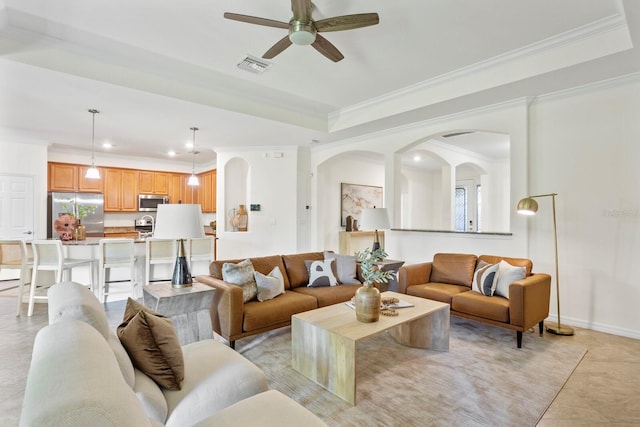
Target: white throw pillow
[506,275]
[271,285]
[320,274]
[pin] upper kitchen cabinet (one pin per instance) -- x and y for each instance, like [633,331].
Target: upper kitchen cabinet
[207,191]
[151,182]
[69,177]
[120,190]
[175,188]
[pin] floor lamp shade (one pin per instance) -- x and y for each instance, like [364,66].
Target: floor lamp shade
[178,221]
[528,206]
[375,219]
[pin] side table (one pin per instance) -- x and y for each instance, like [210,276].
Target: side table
[389,265]
[188,308]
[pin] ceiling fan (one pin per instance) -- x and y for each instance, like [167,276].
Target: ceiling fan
[303,30]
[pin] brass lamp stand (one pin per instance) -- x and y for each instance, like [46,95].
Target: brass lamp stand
[528,206]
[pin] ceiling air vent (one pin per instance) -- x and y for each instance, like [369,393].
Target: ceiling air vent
[453,134]
[254,65]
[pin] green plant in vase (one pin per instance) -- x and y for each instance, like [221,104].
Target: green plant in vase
[367,299]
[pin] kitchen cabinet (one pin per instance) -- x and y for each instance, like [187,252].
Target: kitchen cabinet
[152,182]
[70,177]
[189,192]
[120,190]
[207,191]
[175,188]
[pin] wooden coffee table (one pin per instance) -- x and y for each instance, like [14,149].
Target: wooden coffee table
[323,341]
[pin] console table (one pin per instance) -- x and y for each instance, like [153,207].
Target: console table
[188,308]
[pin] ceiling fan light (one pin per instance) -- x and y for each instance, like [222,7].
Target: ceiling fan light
[302,38]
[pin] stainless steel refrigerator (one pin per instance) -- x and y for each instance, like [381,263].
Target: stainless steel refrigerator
[94,222]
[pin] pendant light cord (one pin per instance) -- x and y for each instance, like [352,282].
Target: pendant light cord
[93,111]
[193,164]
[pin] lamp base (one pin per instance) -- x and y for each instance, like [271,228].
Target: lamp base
[559,329]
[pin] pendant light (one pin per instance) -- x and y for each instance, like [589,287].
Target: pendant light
[193,179]
[93,172]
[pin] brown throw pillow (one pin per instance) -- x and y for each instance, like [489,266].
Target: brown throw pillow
[152,344]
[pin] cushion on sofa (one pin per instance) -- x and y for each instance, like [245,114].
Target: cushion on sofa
[321,273]
[217,377]
[152,344]
[241,274]
[346,267]
[455,269]
[484,278]
[278,311]
[506,275]
[518,262]
[74,380]
[262,264]
[150,397]
[442,292]
[270,285]
[296,268]
[329,295]
[492,308]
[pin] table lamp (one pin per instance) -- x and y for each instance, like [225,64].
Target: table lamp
[180,222]
[374,219]
[528,206]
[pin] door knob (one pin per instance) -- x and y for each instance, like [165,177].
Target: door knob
[28,232]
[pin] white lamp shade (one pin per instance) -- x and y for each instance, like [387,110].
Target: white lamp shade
[178,221]
[92,173]
[374,219]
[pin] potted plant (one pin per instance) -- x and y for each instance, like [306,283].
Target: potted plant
[78,211]
[367,299]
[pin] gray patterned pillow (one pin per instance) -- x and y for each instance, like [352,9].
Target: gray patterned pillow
[241,274]
[321,273]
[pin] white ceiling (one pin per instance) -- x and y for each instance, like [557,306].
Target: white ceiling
[155,68]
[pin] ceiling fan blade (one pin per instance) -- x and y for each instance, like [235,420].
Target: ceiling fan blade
[277,48]
[301,10]
[325,47]
[256,20]
[347,22]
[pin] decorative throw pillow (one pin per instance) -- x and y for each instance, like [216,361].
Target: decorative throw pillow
[241,274]
[506,275]
[483,278]
[269,286]
[152,344]
[320,273]
[346,268]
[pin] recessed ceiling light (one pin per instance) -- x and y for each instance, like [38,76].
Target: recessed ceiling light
[107,145]
[188,144]
[416,158]
[171,153]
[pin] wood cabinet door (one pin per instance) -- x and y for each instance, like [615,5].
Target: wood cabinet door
[145,182]
[175,188]
[90,185]
[189,192]
[129,191]
[206,195]
[63,177]
[161,183]
[112,190]
[214,189]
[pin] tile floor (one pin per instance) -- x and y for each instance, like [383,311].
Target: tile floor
[602,391]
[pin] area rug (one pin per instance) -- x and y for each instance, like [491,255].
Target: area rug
[483,380]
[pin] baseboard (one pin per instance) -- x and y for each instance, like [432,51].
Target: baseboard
[595,326]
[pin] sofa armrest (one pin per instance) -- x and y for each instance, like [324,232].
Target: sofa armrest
[227,306]
[413,274]
[529,300]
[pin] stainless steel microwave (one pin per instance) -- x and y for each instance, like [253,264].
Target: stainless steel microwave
[150,202]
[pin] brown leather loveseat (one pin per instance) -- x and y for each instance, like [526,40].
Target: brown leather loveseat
[449,278]
[234,319]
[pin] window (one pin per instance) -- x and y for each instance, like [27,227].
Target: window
[461,209]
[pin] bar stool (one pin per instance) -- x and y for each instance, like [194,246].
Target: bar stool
[201,251]
[15,255]
[159,251]
[48,255]
[116,253]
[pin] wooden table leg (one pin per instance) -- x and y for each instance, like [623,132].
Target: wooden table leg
[430,331]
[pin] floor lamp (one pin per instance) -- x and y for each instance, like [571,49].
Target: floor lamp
[528,206]
[180,222]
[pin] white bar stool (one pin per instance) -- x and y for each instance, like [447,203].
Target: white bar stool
[15,255]
[48,255]
[116,253]
[201,252]
[159,251]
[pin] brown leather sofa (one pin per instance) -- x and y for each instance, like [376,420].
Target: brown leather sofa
[448,278]
[233,319]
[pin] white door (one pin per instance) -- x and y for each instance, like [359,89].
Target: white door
[16,207]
